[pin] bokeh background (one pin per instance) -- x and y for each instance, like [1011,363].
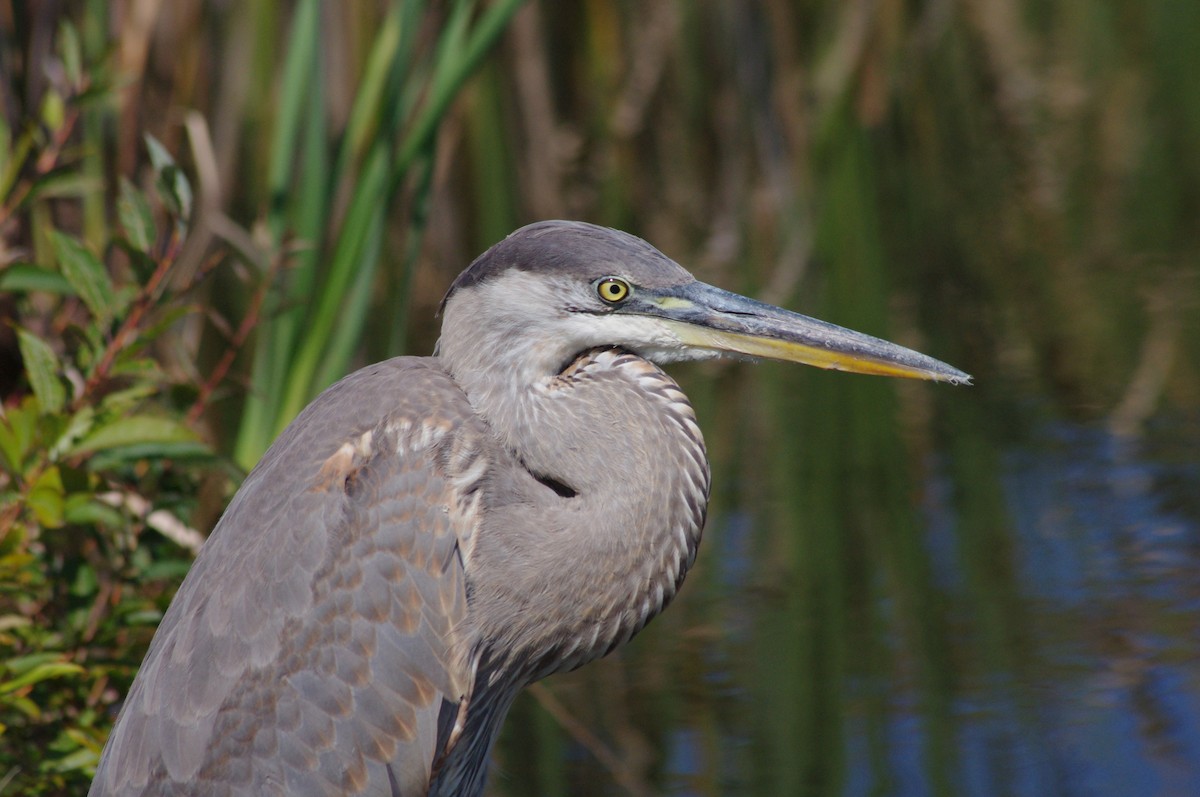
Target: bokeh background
[212,210]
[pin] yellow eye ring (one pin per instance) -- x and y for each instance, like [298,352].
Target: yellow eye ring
[612,289]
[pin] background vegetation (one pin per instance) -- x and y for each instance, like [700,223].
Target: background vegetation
[211,211]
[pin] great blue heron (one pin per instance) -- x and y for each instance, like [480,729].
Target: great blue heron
[432,534]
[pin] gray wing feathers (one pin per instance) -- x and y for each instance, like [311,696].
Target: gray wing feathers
[311,646]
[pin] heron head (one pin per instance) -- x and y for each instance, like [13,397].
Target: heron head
[556,288]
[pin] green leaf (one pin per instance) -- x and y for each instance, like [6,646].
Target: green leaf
[80,760]
[129,364]
[71,51]
[23,664]
[41,672]
[126,294]
[143,264]
[121,400]
[144,617]
[79,425]
[6,144]
[87,356]
[25,706]
[26,277]
[11,622]
[137,220]
[53,110]
[46,498]
[14,158]
[12,448]
[295,97]
[114,457]
[43,368]
[166,321]
[65,185]
[11,455]
[82,509]
[18,426]
[86,274]
[165,570]
[172,182]
[134,431]
[85,583]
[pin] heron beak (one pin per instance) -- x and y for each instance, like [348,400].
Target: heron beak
[712,319]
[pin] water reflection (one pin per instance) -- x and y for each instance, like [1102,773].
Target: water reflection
[1094,686]
[1109,571]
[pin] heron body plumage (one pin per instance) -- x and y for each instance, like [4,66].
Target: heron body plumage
[320,650]
[431,535]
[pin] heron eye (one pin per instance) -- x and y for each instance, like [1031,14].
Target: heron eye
[612,290]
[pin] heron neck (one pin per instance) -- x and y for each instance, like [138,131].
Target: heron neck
[603,520]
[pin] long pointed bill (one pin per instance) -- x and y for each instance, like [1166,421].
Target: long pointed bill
[710,318]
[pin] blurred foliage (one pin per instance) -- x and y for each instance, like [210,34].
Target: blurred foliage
[1009,185]
[95,450]
[317,312]
[104,283]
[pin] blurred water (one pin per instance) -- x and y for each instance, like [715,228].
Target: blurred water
[1109,569]
[1105,698]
